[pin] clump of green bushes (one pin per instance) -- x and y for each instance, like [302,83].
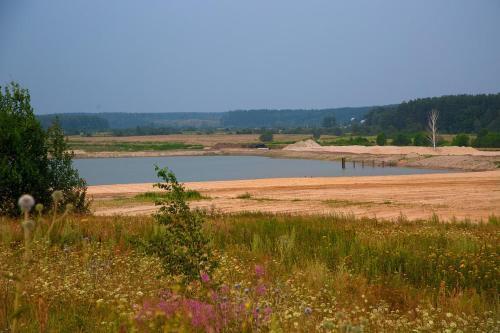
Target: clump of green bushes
[33,160]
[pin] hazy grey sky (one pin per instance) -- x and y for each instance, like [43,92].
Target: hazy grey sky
[186,55]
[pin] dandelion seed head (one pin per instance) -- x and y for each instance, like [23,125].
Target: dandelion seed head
[26,202]
[39,207]
[57,196]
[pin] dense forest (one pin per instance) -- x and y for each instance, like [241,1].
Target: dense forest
[132,122]
[289,118]
[458,113]
[74,123]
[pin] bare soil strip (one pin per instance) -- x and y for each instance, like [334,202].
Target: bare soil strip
[471,195]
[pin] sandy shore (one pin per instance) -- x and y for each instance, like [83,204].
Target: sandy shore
[456,162]
[472,195]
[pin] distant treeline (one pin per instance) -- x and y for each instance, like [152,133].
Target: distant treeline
[457,114]
[289,118]
[164,123]
[75,123]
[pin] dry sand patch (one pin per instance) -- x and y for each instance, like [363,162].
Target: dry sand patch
[473,195]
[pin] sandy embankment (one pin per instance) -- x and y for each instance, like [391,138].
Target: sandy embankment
[458,158]
[310,145]
[473,195]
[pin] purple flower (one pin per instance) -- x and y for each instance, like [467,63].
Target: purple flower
[205,278]
[261,289]
[259,270]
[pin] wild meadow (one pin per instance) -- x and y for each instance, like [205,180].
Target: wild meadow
[276,273]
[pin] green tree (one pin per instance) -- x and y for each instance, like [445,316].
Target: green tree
[461,140]
[267,136]
[31,160]
[420,139]
[180,241]
[401,140]
[487,139]
[329,122]
[63,176]
[381,139]
[316,133]
[23,151]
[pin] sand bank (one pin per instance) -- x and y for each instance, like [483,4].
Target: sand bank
[473,195]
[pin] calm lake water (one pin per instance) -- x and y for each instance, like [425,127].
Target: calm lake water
[100,171]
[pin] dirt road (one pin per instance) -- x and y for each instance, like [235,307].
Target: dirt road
[472,195]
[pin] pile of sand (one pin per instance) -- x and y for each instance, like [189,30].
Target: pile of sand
[303,144]
[310,145]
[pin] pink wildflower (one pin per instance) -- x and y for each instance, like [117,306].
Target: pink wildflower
[259,270]
[205,278]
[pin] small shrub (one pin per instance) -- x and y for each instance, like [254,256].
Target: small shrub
[420,140]
[179,241]
[401,140]
[266,137]
[461,140]
[486,139]
[316,134]
[381,139]
[245,195]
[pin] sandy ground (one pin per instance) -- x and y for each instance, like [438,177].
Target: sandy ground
[472,195]
[310,145]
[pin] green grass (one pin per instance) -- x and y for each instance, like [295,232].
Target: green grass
[131,146]
[190,195]
[147,197]
[419,253]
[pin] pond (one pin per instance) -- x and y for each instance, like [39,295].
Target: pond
[101,171]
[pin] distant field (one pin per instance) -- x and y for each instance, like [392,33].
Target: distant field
[130,146]
[205,140]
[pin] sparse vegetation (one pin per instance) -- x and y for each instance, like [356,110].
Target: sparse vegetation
[245,195]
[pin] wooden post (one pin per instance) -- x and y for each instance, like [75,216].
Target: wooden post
[354,164]
[363,164]
[383,164]
[343,162]
[373,163]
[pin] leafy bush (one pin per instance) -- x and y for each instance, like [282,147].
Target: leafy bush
[486,139]
[420,140]
[461,140]
[381,139]
[401,140]
[179,241]
[31,160]
[358,141]
[266,137]
[316,134]
[62,175]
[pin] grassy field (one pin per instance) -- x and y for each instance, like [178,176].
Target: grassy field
[205,140]
[130,146]
[276,273]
